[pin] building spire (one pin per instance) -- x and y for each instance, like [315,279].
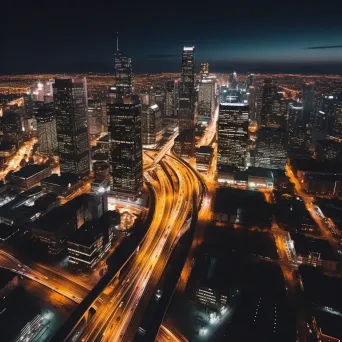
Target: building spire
[117,41]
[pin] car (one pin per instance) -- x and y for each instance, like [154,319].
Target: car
[120,305]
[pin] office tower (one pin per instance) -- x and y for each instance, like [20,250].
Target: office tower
[206,93]
[204,70]
[187,90]
[273,106]
[123,73]
[233,81]
[171,102]
[270,151]
[308,99]
[223,94]
[125,148]
[97,116]
[250,80]
[232,135]
[151,125]
[46,130]
[70,101]
[298,134]
[252,102]
[11,127]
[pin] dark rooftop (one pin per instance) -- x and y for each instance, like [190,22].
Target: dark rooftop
[304,245]
[85,235]
[29,171]
[205,149]
[6,145]
[314,166]
[63,180]
[7,231]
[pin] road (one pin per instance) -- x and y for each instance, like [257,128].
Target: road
[75,291]
[167,335]
[14,163]
[311,207]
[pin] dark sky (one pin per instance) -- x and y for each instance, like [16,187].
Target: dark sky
[244,35]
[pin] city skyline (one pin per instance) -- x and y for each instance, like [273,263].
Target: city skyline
[292,38]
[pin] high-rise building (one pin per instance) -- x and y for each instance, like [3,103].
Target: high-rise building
[270,151]
[70,101]
[187,90]
[232,135]
[233,81]
[151,125]
[171,102]
[250,80]
[206,93]
[96,117]
[204,70]
[297,132]
[125,148]
[46,130]
[273,106]
[11,127]
[252,101]
[308,99]
[123,73]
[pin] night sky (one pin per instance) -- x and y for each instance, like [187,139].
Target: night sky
[55,36]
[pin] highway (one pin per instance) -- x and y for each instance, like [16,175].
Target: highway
[112,317]
[68,288]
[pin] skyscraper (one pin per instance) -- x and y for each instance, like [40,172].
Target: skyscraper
[70,101]
[233,81]
[46,130]
[308,95]
[232,135]
[206,94]
[151,125]
[96,116]
[273,106]
[250,80]
[296,130]
[123,73]
[187,90]
[125,148]
[171,102]
[270,151]
[204,70]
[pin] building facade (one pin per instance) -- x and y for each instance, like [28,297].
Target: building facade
[70,101]
[125,147]
[151,125]
[232,135]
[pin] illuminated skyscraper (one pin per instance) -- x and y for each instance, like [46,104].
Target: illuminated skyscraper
[270,152]
[204,70]
[232,135]
[187,90]
[250,80]
[273,106]
[206,94]
[171,102]
[123,73]
[233,81]
[96,116]
[125,147]
[70,101]
[46,130]
[308,94]
[151,125]
[297,131]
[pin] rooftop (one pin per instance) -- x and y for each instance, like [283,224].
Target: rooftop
[29,171]
[63,180]
[85,235]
